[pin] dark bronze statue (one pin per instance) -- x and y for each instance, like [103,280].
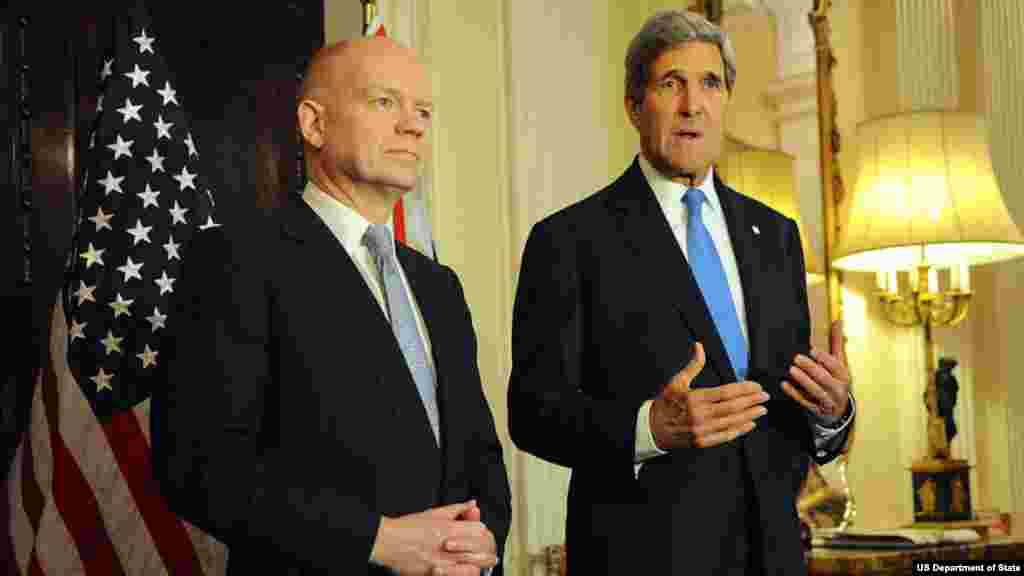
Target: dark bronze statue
[946,388]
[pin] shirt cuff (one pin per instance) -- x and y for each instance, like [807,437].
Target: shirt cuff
[824,431]
[645,448]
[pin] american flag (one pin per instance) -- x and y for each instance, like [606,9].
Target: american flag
[82,495]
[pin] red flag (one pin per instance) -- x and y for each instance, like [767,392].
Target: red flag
[411,221]
[81,493]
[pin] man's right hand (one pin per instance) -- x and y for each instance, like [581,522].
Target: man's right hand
[705,417]
[413,544]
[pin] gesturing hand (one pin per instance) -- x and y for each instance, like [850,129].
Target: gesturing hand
[823,379]
[705,417]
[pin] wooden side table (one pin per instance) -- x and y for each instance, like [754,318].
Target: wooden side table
[835,562]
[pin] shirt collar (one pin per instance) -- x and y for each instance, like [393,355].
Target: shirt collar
[347,225]
[670,193]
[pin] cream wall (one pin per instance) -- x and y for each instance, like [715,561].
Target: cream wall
[530,119]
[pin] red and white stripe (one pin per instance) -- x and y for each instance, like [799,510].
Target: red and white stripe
[81,493]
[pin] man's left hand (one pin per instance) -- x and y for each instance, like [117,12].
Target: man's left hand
[822,380]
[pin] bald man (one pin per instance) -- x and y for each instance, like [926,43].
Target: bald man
[324,413]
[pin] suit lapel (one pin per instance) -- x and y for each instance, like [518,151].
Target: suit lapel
[748,255]
[646,231]
[331,263]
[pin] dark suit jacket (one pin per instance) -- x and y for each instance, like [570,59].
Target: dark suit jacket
[291,423]
[606,312]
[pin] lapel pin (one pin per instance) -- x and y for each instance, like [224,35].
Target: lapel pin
[756,230]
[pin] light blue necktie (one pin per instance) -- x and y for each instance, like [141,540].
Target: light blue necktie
[381,245]
[707,269]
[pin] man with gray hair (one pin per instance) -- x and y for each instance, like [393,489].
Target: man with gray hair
[661,343]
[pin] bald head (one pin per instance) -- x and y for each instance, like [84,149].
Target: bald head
[332,63]
[363,111]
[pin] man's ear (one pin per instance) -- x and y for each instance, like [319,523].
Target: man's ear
[632,111]
[311,122]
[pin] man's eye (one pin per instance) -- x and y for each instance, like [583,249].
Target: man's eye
[669,83]
[385,102]
[712,82]
[424,113]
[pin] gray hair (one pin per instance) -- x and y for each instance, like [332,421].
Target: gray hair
[665,30]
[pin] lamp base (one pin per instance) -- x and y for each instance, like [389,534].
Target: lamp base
[942,490]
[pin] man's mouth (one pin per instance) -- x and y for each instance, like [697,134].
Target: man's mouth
[689,134]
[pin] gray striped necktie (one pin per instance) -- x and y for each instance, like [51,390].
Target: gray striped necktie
[381,244]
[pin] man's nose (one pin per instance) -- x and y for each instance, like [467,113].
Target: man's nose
[412,123]
[690,100]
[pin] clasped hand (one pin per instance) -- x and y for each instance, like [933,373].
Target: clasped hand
[446,541]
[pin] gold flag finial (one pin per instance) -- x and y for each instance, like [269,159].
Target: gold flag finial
[369,13]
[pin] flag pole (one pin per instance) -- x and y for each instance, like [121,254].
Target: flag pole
[369,13]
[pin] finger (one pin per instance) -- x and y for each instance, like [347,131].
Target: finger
[733,421]
[727,392]
[730,403]
[472,514]
[814,388]
[681,381]
[478,559]
[827,381]
[837,341]
[453,511]
[830,362]
[463,544]
[724,436]
[800,398]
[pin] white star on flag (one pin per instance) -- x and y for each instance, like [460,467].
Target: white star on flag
[149,197]
[168,94]
[165,283]
[108,69]
[148,357]
[185,180]
[101,220]
[145,43]
[157,319]
[209,223]
[121,147]
[84,293]
[139,232]
[110,183]
[112,343]
[163,129]
[92,256]
[178,214]
[191,146]
[130,111]
[102,381]
[130,269]
[172,249]
[99,103]
[138,76]
[77,330]
[156,161]
[121,306]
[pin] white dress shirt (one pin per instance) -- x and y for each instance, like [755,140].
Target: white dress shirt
[669,195]
[349,226]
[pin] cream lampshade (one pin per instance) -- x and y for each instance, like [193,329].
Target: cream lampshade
[767,175]
[925,195]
